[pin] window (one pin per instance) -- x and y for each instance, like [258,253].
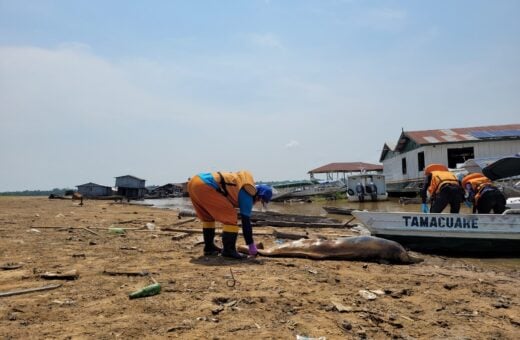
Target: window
[420,161]
[459,156]
[403,165]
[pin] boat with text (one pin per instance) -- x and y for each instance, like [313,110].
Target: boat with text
[465,234]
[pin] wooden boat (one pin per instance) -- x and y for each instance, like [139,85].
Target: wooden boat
[338,210]
[463,234]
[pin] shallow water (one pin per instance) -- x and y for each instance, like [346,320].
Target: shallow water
[313,208]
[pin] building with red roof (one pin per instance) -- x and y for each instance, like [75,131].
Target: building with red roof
[403,165]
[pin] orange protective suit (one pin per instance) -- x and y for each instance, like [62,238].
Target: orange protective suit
[213,205]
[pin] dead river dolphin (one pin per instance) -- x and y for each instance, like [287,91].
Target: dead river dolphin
[359,248]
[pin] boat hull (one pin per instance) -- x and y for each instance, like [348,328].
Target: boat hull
[368,198]
[457,245]
[458,234]
[338,210]
[513,203]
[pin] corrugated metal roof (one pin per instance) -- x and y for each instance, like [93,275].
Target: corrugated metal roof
[140,179]
[90,184]
[347,167]
[459,134]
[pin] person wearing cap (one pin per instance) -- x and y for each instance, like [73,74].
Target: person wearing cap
[443,188]
[483,194]
[215,196]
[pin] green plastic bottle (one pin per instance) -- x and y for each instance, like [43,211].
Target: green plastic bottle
[116,230]
[150,290]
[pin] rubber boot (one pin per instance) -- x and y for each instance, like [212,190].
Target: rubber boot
[229,241]
[209,247]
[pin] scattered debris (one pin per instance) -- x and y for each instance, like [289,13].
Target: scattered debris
[399,293]
[312,271]
[131,248]
[502,303]
[69,275]
[345,325]
[232,282]
[450,286]
[178,328]
[29,290]
[65,302]
[341,308]
[367,294]
[11,266]
[179,236]
[150,226]
[115,230]
[289,236]
[150,290]
[304,337]
[217,310]
[127,273]
[90,231]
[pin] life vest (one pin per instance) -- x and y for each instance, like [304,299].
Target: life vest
[230,184]
[434,167]
[439,179]
[469,177]
[478,183]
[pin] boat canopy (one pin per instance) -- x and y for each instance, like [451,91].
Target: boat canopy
[503,168]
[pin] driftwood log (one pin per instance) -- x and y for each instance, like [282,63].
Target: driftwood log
[289,236]
[11,266]
[127,273]
[29,290]
[69,275]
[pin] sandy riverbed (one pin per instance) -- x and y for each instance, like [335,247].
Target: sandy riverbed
[271,298]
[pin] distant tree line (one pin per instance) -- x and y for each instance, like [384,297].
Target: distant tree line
[55,191]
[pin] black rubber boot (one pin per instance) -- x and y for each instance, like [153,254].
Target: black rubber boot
[229,241]
[209,247]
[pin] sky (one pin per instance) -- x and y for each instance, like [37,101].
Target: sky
[163,90]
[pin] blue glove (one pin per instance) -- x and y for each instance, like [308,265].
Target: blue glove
[468,204]
[424,208]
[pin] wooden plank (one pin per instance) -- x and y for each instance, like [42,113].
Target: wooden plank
[29,290]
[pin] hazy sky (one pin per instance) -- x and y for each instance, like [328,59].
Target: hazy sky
[162,90]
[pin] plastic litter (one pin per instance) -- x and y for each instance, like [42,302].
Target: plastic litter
[150,290]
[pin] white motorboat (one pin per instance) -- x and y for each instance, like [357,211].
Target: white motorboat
[465,234]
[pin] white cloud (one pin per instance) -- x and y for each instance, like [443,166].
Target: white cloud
[292,144]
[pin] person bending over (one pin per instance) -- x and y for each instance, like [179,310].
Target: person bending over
[215,196]
[483,195]
[443,188]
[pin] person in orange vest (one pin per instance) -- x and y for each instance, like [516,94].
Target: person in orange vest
[443,188]
[483,194]
[215,196]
